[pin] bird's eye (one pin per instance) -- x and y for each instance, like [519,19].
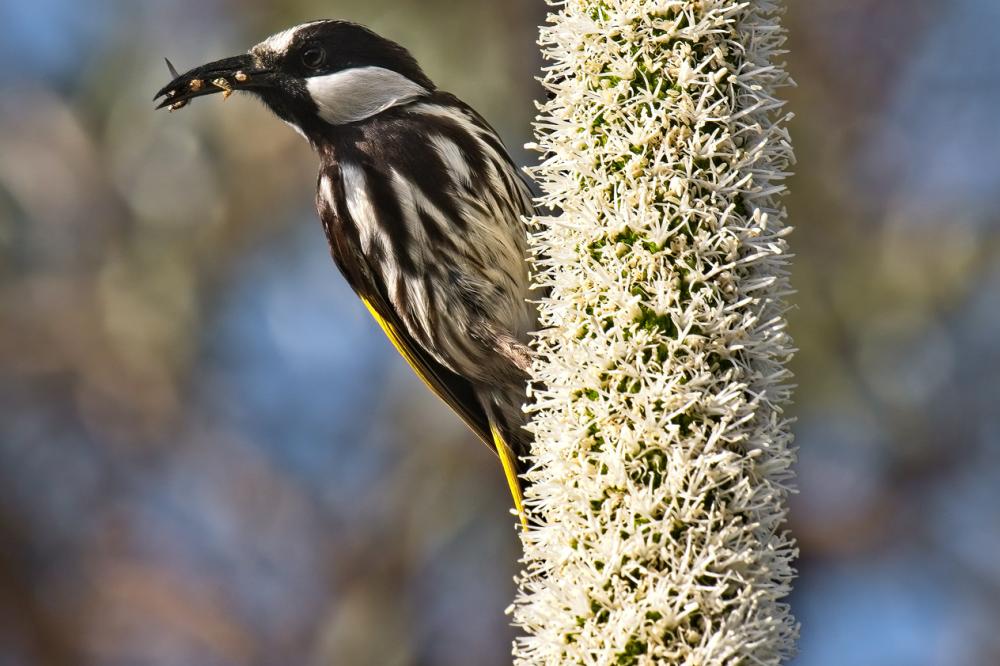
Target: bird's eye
[313,57]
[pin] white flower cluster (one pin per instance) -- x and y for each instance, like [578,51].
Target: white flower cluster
[662,453]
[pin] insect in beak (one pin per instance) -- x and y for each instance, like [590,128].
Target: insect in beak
[225,76]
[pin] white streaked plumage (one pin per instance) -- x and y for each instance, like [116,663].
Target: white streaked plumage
[371,232]
[416,295]
[452,157]
[497,171]
[486,270]
[360,207]
[460,117]
[359,93]
[407,194]
[326,189]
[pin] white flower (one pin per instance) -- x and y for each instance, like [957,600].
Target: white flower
[662,452]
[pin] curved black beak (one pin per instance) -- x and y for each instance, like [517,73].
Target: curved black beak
[226,75]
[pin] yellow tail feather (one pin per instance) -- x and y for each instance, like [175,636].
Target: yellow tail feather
[509,462]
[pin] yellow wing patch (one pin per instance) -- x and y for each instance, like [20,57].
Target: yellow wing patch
[509,463]
[397,342]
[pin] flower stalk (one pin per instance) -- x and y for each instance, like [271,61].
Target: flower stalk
[662,450]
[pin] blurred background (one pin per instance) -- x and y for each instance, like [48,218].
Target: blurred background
[210,456]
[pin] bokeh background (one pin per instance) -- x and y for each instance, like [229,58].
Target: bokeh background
[210,456]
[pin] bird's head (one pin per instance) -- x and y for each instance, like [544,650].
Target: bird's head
[313,76]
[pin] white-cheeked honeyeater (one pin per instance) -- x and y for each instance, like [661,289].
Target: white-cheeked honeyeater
[422,206]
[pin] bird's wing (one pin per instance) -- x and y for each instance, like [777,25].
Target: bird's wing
[455,390]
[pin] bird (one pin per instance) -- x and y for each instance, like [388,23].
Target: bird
[423,208]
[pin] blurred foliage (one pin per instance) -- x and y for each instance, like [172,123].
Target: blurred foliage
[209,455]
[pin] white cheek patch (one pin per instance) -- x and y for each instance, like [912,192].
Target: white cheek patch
[355,94]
